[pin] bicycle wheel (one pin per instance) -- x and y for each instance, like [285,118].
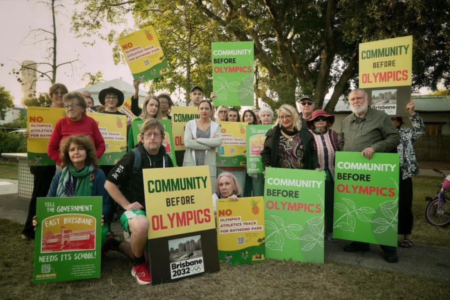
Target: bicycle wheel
[438,214]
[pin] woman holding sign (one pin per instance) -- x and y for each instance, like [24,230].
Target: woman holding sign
[202,137]
[287,144]
[151,111]
[227,187]
[327,143]
[42,174]
[74,123]
[249,117]
[409,168]
[81,177]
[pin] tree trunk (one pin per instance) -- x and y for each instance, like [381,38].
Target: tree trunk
[342,84]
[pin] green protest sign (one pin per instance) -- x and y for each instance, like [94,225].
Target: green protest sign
[256,135]
[294,210]
[232,69]
[68,239]
[168,136]
[366,198]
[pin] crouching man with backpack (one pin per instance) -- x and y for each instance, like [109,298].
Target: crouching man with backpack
[125,184]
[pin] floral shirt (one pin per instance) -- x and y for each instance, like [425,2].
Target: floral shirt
[408,136]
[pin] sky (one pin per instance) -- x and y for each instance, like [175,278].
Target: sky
[18,17]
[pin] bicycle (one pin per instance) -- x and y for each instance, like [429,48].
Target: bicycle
[437,212]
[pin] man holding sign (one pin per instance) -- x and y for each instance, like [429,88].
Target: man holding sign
[128,174]
[368,131]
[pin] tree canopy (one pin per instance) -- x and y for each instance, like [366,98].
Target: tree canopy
[6,101]
[301,47]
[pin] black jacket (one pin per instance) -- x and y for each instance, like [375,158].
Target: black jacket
[270,153]
[132,183]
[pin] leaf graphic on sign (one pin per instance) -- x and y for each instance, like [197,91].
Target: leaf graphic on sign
[381,229]
[276,239]
[341,207]
[295,227]
[390,211]
[308,238]
[350,203]
[290,235]
[246,88]
[270,225]
[347,221]
[278,220]
[308,247]
[272,245]
[316,227]
[345,227]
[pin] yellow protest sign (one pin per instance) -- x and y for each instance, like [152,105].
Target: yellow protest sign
[180,116]
[178,202]
[126,109]
[386,63]
[241,230]
[232,152]
[41,122]
[144,54]
[114,131]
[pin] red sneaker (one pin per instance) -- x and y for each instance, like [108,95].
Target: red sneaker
[142,274]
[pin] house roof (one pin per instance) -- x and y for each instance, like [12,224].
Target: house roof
[432,103]
[423,104]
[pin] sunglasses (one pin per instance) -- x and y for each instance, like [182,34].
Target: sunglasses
[306,103]
[320,119]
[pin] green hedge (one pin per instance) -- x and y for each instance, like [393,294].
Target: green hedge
[12,143]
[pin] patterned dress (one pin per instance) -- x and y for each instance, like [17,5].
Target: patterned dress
[290,152]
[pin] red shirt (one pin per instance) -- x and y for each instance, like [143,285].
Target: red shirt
[65,128]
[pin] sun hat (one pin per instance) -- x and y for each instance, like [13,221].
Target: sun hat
[319,113]
[111,90]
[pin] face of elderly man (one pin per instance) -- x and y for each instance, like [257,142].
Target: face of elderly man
[358,102]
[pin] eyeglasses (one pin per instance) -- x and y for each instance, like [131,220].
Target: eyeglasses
[153,134]
[71,106]
[306,103]
[285,117]
[320,119]
[111,98]
[222,111]
[163,103]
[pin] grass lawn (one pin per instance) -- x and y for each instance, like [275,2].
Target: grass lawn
[9,170]
[423,232]
[267,280]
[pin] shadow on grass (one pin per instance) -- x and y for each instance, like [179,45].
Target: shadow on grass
[266,280]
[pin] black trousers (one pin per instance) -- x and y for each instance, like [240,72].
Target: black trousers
[42,179]
[405,214]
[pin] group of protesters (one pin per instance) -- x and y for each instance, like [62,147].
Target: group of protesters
[298,140]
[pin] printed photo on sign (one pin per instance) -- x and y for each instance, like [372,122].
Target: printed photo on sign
[186,256]
[68,233]
[385,100]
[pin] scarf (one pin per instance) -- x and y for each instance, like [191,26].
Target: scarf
[83,186]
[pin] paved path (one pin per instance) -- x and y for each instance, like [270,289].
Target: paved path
[420,260]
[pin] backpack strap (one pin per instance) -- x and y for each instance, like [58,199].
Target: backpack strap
[137,165]
[166,161]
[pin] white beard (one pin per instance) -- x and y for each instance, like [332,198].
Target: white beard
[361,109]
